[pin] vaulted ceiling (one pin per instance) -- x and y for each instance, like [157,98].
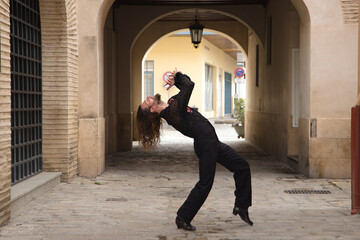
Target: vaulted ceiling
[188,2]
[224,44]
[207,15]
[204,15]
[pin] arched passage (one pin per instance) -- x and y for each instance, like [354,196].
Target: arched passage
[126,37]
[146,32]
[133,48]
[270,109]
[217,53]
[160,28]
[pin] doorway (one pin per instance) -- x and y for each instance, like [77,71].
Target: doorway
[227,93]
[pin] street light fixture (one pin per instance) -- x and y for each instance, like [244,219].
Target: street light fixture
[196,31]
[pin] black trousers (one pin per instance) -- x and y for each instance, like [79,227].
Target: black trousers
[210,150]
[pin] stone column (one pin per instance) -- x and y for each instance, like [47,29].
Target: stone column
[91,87]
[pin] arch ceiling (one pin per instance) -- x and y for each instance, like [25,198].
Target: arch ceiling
[188,2]
[205,15]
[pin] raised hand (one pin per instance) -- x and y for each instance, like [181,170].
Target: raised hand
[171,79]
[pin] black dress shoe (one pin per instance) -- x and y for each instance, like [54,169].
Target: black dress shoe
[180,223]
[244,215]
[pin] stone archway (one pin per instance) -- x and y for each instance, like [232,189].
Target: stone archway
[160,29]
[121,119]
[126,38]
[91,22]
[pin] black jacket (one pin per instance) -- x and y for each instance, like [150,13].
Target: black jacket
[186,120]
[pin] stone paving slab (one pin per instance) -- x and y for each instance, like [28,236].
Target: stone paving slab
[138,196]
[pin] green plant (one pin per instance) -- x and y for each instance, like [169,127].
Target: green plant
[239,110]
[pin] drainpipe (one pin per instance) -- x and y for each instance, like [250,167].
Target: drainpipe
[355,141]
[355,158]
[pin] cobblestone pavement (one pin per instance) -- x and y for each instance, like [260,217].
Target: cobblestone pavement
[138,196]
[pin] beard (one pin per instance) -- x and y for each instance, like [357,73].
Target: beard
[158,98]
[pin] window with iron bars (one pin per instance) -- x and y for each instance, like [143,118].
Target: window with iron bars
[26,90]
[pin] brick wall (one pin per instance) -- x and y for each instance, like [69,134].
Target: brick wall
[60,91]
[5,114]
[350,9]
[60,86]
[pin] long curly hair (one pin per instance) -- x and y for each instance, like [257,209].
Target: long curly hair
[148,125]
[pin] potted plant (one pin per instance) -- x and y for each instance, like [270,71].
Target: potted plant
[239,113]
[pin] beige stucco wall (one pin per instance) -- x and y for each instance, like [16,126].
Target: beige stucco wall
[178,51]
[331,107]
[91,22]
[110,87]
[269,104]
[298,138]
[327,26]
[325,43]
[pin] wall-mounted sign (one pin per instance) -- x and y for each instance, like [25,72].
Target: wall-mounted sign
[239,72]
[166,76]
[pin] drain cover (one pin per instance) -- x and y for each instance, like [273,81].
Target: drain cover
[117,199]
[306,191]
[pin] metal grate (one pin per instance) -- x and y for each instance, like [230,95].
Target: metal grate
[117,199]
[305,191]
[26,106]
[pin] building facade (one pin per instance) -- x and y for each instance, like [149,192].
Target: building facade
[208,67]
[81,70]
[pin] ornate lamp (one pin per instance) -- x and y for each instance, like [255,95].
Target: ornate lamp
[196,31]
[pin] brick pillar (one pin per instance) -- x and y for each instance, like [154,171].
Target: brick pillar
[60,86]
[5,114]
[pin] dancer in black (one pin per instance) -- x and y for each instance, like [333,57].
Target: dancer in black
[207,147]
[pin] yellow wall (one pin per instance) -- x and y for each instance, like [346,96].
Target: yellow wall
[178,51]
[218,59]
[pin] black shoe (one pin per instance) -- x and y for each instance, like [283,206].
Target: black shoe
[244,215]
[180,223]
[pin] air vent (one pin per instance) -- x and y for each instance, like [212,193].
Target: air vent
[305,191]
[117,199]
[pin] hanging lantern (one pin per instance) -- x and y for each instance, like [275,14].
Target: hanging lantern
[196,31]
